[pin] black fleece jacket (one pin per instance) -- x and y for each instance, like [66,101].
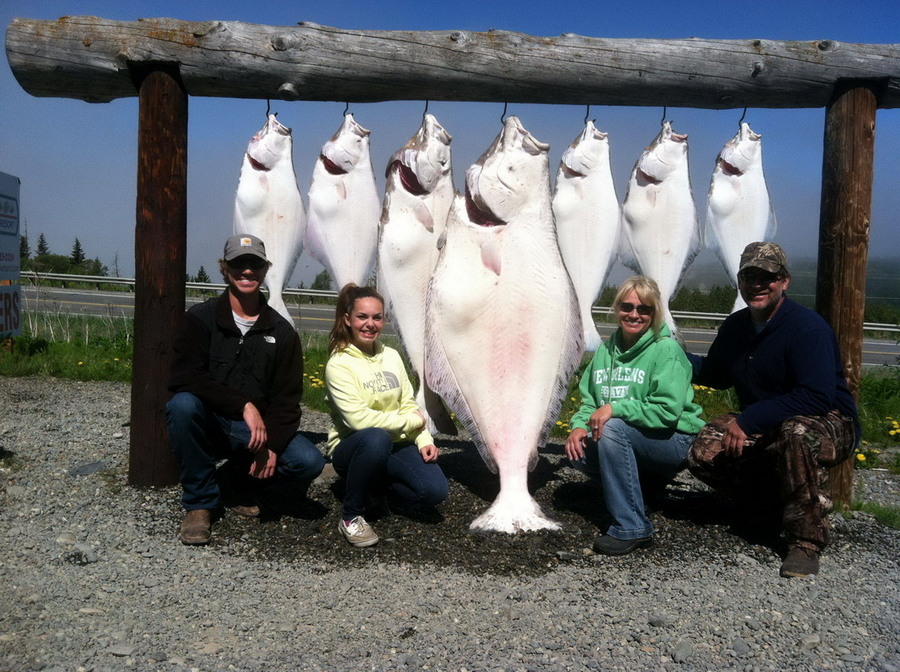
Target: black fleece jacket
[226,369]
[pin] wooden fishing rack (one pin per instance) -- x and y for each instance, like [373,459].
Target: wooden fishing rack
[164,61]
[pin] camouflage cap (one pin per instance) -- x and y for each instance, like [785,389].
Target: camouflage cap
[243,243]
[767,256]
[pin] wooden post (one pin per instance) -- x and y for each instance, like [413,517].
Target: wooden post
[847,175]
[160,242]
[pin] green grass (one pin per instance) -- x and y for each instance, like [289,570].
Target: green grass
[888,516]
[100,348]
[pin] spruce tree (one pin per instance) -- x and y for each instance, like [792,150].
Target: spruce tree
[42,247]
[77,254]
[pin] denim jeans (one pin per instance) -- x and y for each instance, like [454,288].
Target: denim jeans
[623,457]
[200,438]
[369,460]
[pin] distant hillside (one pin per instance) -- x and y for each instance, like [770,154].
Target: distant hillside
[882,285]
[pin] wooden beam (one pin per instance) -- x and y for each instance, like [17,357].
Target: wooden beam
[847,175]
[88,58]
[160,244]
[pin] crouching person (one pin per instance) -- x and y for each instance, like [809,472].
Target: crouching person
[797,417]
[237,375]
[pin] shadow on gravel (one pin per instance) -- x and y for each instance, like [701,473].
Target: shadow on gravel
[690,521]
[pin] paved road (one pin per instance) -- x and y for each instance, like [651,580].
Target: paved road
[320,318]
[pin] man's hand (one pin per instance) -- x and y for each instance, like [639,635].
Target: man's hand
[257,427]
[430,453]
[734,439]
[263,465]
[575,444]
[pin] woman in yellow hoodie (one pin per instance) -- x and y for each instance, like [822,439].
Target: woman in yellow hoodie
[378,438]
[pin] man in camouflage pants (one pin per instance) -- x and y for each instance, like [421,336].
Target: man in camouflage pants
[797,416]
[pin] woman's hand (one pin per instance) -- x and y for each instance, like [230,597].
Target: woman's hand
[733,439]
[598,419]
[575,444]
[430,452]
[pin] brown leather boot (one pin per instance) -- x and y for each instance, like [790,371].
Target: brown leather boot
[195,527]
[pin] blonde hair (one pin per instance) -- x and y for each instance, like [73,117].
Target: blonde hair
[648,292]
[340,336]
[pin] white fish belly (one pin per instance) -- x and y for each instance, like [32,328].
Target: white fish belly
[268,205]
[738,213]
[342,233]
[501,349]
[407,255]
[587,227]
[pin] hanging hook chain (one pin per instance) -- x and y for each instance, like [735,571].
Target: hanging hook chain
[268,107]
[663,120]
[503,116]
[346,108]
[741,120]
[425,111]
[587,114]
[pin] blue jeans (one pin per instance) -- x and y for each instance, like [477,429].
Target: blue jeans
[369,460]
[624,456]
[200,438]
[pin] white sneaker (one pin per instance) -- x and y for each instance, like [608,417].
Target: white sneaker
[358,532]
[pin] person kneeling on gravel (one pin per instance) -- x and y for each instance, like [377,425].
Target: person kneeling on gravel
[237,375]
[797,417]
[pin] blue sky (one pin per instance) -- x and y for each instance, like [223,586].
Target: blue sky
[77,161]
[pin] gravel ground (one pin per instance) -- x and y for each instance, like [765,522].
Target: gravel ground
[94,578]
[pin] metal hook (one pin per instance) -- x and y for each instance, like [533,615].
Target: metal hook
[663,120]
[268,107]
[425,111]
[346,108]
[741,120]
[587,114]
[503,116]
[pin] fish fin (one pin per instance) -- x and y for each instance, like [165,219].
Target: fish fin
[436,416]
[772,227]
[313,242]
[569,361]
[627,256]
[423,216]
[490,255]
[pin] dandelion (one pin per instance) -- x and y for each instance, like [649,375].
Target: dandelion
[860,457]
[80,363]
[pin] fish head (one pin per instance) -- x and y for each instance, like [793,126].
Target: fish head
[425,159]
[271,144]
[505,180]
[740,153]
[665,155]
[589,149]
[346,148]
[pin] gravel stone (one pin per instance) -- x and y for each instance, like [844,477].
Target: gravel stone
[94,578]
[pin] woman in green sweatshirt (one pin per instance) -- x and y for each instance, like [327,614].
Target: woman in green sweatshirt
[637,417]
[378,439]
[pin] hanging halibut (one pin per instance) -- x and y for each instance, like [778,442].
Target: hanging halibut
[738,210]
[503,330]
[417,199]
[344,207]
[660,224]
[267,204]
[588,219]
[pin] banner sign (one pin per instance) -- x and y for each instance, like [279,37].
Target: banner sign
[10,294]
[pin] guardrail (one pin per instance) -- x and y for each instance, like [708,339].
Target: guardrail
[97,280]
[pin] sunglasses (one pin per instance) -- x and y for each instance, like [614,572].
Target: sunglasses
[247,261]
[758,277]
[642,309]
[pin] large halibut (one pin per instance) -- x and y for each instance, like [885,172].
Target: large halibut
[588,220]
[344,207]
[503,328]
[268,205]
[417,199]
[660,222]
[738,210]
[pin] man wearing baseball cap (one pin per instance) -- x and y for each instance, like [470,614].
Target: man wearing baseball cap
[237,375]
[797,416]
